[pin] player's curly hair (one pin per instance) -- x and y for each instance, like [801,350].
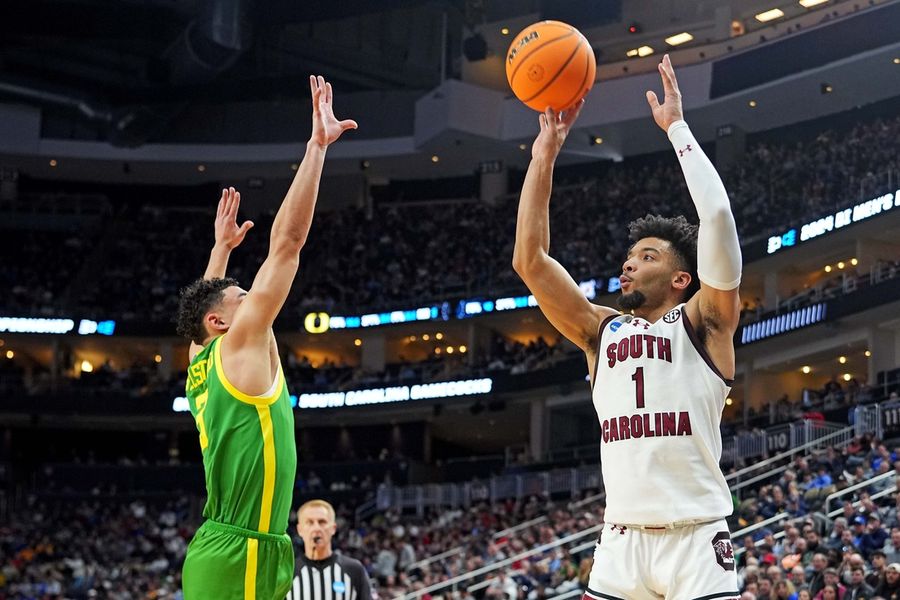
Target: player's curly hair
[682,237]
[195,301]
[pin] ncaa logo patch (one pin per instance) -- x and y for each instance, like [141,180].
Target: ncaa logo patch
[339,587]
[721,544]
[672,315]
[614,326]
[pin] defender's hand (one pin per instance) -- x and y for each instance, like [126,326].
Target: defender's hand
[228,234]
[325,127]
[670,110]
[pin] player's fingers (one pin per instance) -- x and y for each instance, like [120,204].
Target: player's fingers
[229,203]
[652,100]
[237,202]
[667,84]
[549,116]
[328,92]
[321,83]
[247,226]
[348,124]
[313,88]
[221,207]
[572,112]
[670,70]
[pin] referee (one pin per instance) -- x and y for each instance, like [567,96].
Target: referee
[323,575]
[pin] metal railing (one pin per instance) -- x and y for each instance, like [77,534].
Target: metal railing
[519,527]
[569,482]
[812,434]
[837,439]
[783,516]
[786,518]
[570,594]
[454,581]
[425,562]
[572,481]
[838,432]
[504,533]
[858,503]
[877,418]
[857,486]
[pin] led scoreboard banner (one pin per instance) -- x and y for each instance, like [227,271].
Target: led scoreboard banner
[829,223]
[56,326]
[321,322]
[399,393]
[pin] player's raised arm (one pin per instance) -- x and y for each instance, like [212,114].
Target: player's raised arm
[558,296]
[257,312]
[718,250]
[228,236]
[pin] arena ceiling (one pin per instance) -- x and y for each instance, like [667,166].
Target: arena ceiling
[122,71]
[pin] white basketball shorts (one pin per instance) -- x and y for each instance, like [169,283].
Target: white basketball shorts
[695,562]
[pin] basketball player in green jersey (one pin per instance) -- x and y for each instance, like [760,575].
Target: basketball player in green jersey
[238,396]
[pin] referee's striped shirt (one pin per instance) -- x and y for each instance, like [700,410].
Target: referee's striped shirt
[337,577]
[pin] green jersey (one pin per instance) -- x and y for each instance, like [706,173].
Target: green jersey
[248,446]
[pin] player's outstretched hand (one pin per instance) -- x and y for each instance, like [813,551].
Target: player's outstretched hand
[670,110]
[325,127]
[555,128]
[228,233]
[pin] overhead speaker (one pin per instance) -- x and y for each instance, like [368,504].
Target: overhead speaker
[475,47]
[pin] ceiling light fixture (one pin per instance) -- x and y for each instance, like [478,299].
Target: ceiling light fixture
[679,38]
[770,15]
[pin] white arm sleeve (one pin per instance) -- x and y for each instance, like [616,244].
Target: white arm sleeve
[718,249]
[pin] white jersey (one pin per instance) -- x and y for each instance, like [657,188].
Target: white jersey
[659,398]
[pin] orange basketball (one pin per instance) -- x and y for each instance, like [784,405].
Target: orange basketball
[550,64]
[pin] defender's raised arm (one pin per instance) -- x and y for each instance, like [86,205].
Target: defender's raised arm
[273,282]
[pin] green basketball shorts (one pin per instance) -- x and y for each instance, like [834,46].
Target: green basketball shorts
[231,563]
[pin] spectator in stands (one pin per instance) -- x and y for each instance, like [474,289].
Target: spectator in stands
[835,538]
[386,562]
[891,546]
[764,588]
[830,592]
[889,586]
[858,589]
[875,537]
[822,481]
[891,513]
[816,572]
[797,578]
[831,582]
[781,591]
[879,566]
[859,530]
[502,587]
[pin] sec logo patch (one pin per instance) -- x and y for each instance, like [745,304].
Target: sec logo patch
[672,315]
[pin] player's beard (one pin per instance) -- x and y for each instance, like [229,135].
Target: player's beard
[635,299]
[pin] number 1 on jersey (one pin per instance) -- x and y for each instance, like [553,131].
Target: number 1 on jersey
[638,379]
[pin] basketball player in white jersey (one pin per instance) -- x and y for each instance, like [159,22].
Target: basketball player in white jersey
[660,372]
